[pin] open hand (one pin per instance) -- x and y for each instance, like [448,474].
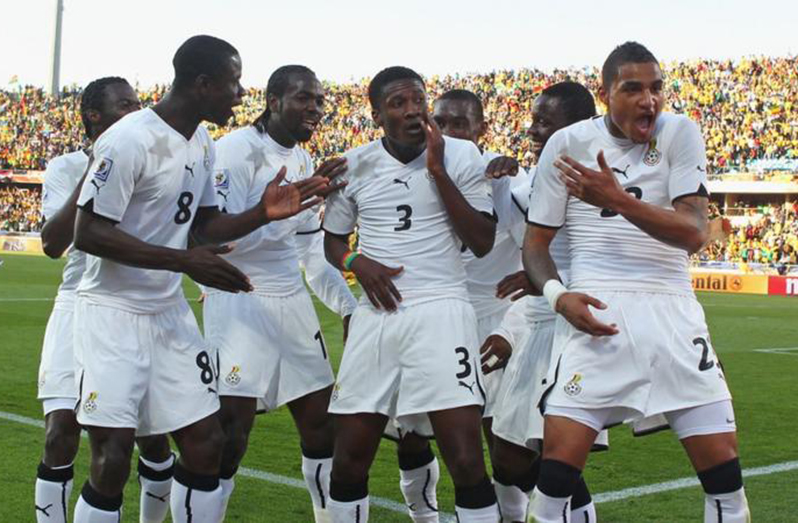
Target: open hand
[204,265]
[600,188]
[518,283]
[376,281]
[283,201]
[574,308]
[435,146]
[502,166]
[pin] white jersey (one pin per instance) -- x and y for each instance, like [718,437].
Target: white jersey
[505,257]
[607,251]
[60,179]
[402,220]
[271,256]
[150,180]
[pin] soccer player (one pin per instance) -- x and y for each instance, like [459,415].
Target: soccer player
[528,331]
[630,190]
[141,362]
[459,114]
[417,197]
[269,341]
[102,103]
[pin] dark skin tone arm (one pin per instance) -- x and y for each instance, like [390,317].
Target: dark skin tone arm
[476,230]
[374,277]
[59,230]
[540,268]
[685,227]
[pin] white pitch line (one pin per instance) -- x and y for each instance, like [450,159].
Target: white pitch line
[656,488]
[26,299]
[787,351]
[254,473]
[603,497]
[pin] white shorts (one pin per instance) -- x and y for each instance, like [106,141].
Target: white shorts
[661,361]
[712,418]
[418,359]
[269,347]
[150,372]
[517,417]
[493,381]
[57,365]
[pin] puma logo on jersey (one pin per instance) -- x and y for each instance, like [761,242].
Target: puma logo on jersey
[466,385]
[97,185]
[701,168]
[623,172]
[211,390]
[159,498]
[402,182]
[191,170]
[222,194]
[44,509]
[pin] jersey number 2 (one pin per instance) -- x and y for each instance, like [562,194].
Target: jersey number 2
[705,363]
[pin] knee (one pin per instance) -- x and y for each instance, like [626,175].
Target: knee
[467,468]
[154,448]
[508,463]
[61,443]
[350,466]
[202,453]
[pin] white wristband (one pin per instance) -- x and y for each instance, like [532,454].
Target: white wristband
[552,290]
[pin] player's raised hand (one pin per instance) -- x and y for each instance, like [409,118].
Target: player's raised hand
[283,201]
[574,308]
[600,188]
[516,284]
[376,281]
[435,146]
[204,265]
[501,166]
[331,168]
[496,352]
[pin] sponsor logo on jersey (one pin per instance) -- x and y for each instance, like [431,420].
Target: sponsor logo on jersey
[103,169]
[653,156]
[90,405]
[233,378]
[573,388]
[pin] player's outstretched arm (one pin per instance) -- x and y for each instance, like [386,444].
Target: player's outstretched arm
[277,203]
[685,227]
[99,236]
[374,277]
[476,230]
[542,271]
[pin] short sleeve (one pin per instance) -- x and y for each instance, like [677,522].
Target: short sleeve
[548,199]
[208,198]
[112,176]
[340,213]
[687,159]
[470,178]
[57,188]
[232,177]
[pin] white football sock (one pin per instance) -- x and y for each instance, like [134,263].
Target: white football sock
[155,480]
[419,487]
[195,498]
[584,514]
[53,487]
[227,490]
[317,478]
[95,508]
[488,514]
[513,502]
[729,508]
[546,509]
[349,511]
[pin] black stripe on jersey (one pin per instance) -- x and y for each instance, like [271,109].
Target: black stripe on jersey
[314,231]
[64,500]
[342,234]
[89,208]
[318,485]
[550,227]
[701,191]
[565,512]
[518,205]
[541,403]
[357,513]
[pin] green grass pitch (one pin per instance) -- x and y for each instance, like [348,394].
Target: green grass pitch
[763,384]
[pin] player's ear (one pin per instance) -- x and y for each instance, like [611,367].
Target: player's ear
[273,102]
[483,128]
[202,83]
[376,116]
[604,97]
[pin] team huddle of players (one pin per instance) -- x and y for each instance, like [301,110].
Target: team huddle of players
[537,308]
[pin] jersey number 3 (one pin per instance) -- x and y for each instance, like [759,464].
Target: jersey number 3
[404,221]
[636,191]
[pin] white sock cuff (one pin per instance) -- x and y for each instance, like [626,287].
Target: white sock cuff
[159,467]
[489,514]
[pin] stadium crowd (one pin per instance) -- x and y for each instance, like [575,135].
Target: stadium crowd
[746,109]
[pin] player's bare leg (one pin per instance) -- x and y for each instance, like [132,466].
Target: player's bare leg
[715,460]
[237,416]
[196,493]
[55,472]
[457,432]
[357,438]
[418,477]
[155,470]
[316,436]
[515,472]
[101,498]
[566,445]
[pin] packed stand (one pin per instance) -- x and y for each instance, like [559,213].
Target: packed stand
[20,209]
